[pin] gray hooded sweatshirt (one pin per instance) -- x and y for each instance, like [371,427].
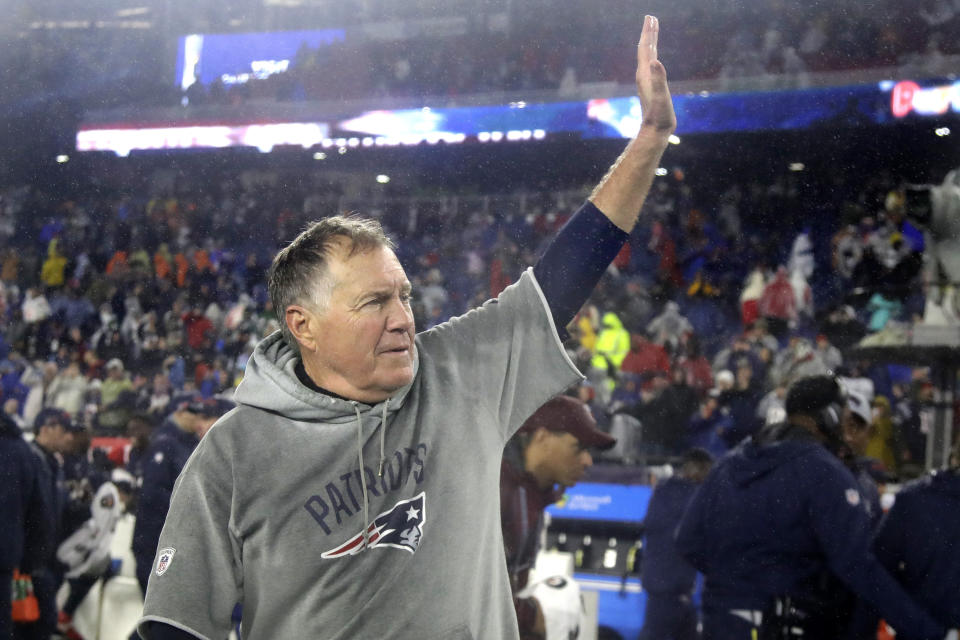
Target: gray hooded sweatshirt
[283,508]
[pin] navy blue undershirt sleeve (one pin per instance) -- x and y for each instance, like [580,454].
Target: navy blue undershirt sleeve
[572,265]
[161,631]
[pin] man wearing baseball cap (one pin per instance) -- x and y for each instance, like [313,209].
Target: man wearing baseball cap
[856,434]
[549,453]
[171,444]
[53,437]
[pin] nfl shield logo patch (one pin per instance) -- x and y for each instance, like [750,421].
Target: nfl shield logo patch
[164,558]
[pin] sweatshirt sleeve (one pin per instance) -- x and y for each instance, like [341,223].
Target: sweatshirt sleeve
[575,260]
[504,357]
[196,577]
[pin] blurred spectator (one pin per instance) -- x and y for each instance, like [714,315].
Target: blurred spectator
[856,434]
[771,408]
[829,354]
[35,306]
[645,357]
[708,427]
[777,304]
[613,344]
[54,266]
[882,443]
[37,378]
[26,530]
[750,296]
[667,578]
[116,382]
[68,390]
[670,326]
[798,360]
[54,435]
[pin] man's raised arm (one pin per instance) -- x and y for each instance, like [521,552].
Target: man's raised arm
[622,191]
[576,259]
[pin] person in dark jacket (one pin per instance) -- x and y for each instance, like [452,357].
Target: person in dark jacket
[171,444]
[778,521]
[549,453]
[919,543]
[667,578]
[54,438]
[26,525]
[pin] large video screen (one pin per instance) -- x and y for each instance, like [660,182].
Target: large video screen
[236,58]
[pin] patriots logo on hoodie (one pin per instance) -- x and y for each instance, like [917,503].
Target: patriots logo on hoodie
[400,528]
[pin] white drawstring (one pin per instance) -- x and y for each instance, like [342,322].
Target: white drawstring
[363,478]
[363,471]
[383,435]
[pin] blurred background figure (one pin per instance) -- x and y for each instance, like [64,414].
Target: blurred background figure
[666,576]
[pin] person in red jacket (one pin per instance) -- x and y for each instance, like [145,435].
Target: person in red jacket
[778,304]
[645,357]
[549,453]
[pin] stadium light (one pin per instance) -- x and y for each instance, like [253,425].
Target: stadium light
[62,158]
[319,155]
[673,139]
[342,150]
[383,178]
[797,166]
[942,131]
[661,171]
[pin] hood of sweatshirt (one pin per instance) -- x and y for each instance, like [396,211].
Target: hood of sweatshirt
[270,382]
[751,461]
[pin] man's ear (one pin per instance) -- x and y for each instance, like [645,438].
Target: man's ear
[540,435]
[302,324]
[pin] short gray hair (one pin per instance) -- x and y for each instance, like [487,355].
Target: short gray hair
[299,275]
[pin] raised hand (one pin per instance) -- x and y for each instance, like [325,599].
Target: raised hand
[652,89]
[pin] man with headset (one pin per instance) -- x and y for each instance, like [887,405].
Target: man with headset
[780,532]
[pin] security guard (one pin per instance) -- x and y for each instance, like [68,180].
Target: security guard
[170,446]
[778,521]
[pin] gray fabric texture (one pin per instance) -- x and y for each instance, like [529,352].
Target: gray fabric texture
[267,508]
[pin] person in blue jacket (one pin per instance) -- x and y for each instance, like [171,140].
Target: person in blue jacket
[171,444]
[919,543]
[780,532]
[667,578]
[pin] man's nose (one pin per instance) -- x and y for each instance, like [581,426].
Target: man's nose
[586,458]
[399,315]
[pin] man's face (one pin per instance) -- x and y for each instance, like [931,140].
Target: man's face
[56,437]
[856,433]
[565,459]
[366,348]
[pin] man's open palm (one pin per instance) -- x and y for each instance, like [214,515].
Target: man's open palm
[652,89]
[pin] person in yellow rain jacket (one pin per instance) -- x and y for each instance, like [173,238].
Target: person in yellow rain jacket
[613,343]
[54,266]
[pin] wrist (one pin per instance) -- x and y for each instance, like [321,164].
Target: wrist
[651,134]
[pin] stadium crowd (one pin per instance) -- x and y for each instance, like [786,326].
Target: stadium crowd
[113,304]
